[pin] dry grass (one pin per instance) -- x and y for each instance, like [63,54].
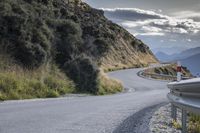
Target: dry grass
[122,67]
[108,86]
[46,81]
[194,124]
[19,83]
[176,125]
[169,70]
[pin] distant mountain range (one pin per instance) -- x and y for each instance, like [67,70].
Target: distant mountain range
[163,57]
[192,63]
[189,58]
[170,51]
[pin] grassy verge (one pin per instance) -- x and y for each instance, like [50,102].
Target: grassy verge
[123,68]
[194,124]
[18,83]
[45,82]
[168,71]
[108,86]
[26,85]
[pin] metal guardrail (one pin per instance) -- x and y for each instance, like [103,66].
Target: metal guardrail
[185,95]
[162,76]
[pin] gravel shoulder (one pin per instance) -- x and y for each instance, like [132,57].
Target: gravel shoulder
[161,121]
[139,122]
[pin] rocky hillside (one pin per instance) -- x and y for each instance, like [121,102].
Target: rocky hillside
[71,35]
[110,44]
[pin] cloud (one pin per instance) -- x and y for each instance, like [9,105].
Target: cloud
[187,14]
[152,34]
[172,40]
[151,29]
[147,22]
[179,30]
[189,40]
[132,14]
[160,32]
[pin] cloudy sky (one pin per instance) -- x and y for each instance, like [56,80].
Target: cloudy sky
[168,26]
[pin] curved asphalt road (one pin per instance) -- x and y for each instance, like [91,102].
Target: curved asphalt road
[87,114]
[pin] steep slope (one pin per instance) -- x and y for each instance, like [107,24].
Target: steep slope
[113,46]
[72,35]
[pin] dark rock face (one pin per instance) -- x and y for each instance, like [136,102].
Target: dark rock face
[36,32]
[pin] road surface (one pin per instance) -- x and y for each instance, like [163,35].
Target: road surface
[85,114]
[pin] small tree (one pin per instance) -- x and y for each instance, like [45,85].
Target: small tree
[76,2]
[84,73]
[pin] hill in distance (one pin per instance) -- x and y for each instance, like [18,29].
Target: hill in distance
[189,58]
[163,57]
[169,51]
[174,57]
[62,40]
[193,64]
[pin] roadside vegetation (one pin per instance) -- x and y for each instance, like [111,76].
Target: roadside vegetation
[47,49]
[108,86]
[194,120]
[168,72]
[171,70]
[123,67]
[194,124]
[20,83]
[47,81]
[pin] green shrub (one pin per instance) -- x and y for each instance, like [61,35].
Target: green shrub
[52,94]
[32,56]
[36,33]
[5,8]
[157,71]
[84,73]
[102,46]
[2,97]
[68,45]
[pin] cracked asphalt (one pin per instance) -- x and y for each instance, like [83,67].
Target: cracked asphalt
[117,113]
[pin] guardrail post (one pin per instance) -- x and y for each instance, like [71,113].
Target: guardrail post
[179,71]
[173,112]
[184,121]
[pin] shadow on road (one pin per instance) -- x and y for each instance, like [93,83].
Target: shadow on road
[139,122]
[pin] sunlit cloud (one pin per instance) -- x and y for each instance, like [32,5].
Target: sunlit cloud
[151,29]
[187,14]
[172,40]
[152,34]
[141,14]
[152,22]
[180,30]
[189,40]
